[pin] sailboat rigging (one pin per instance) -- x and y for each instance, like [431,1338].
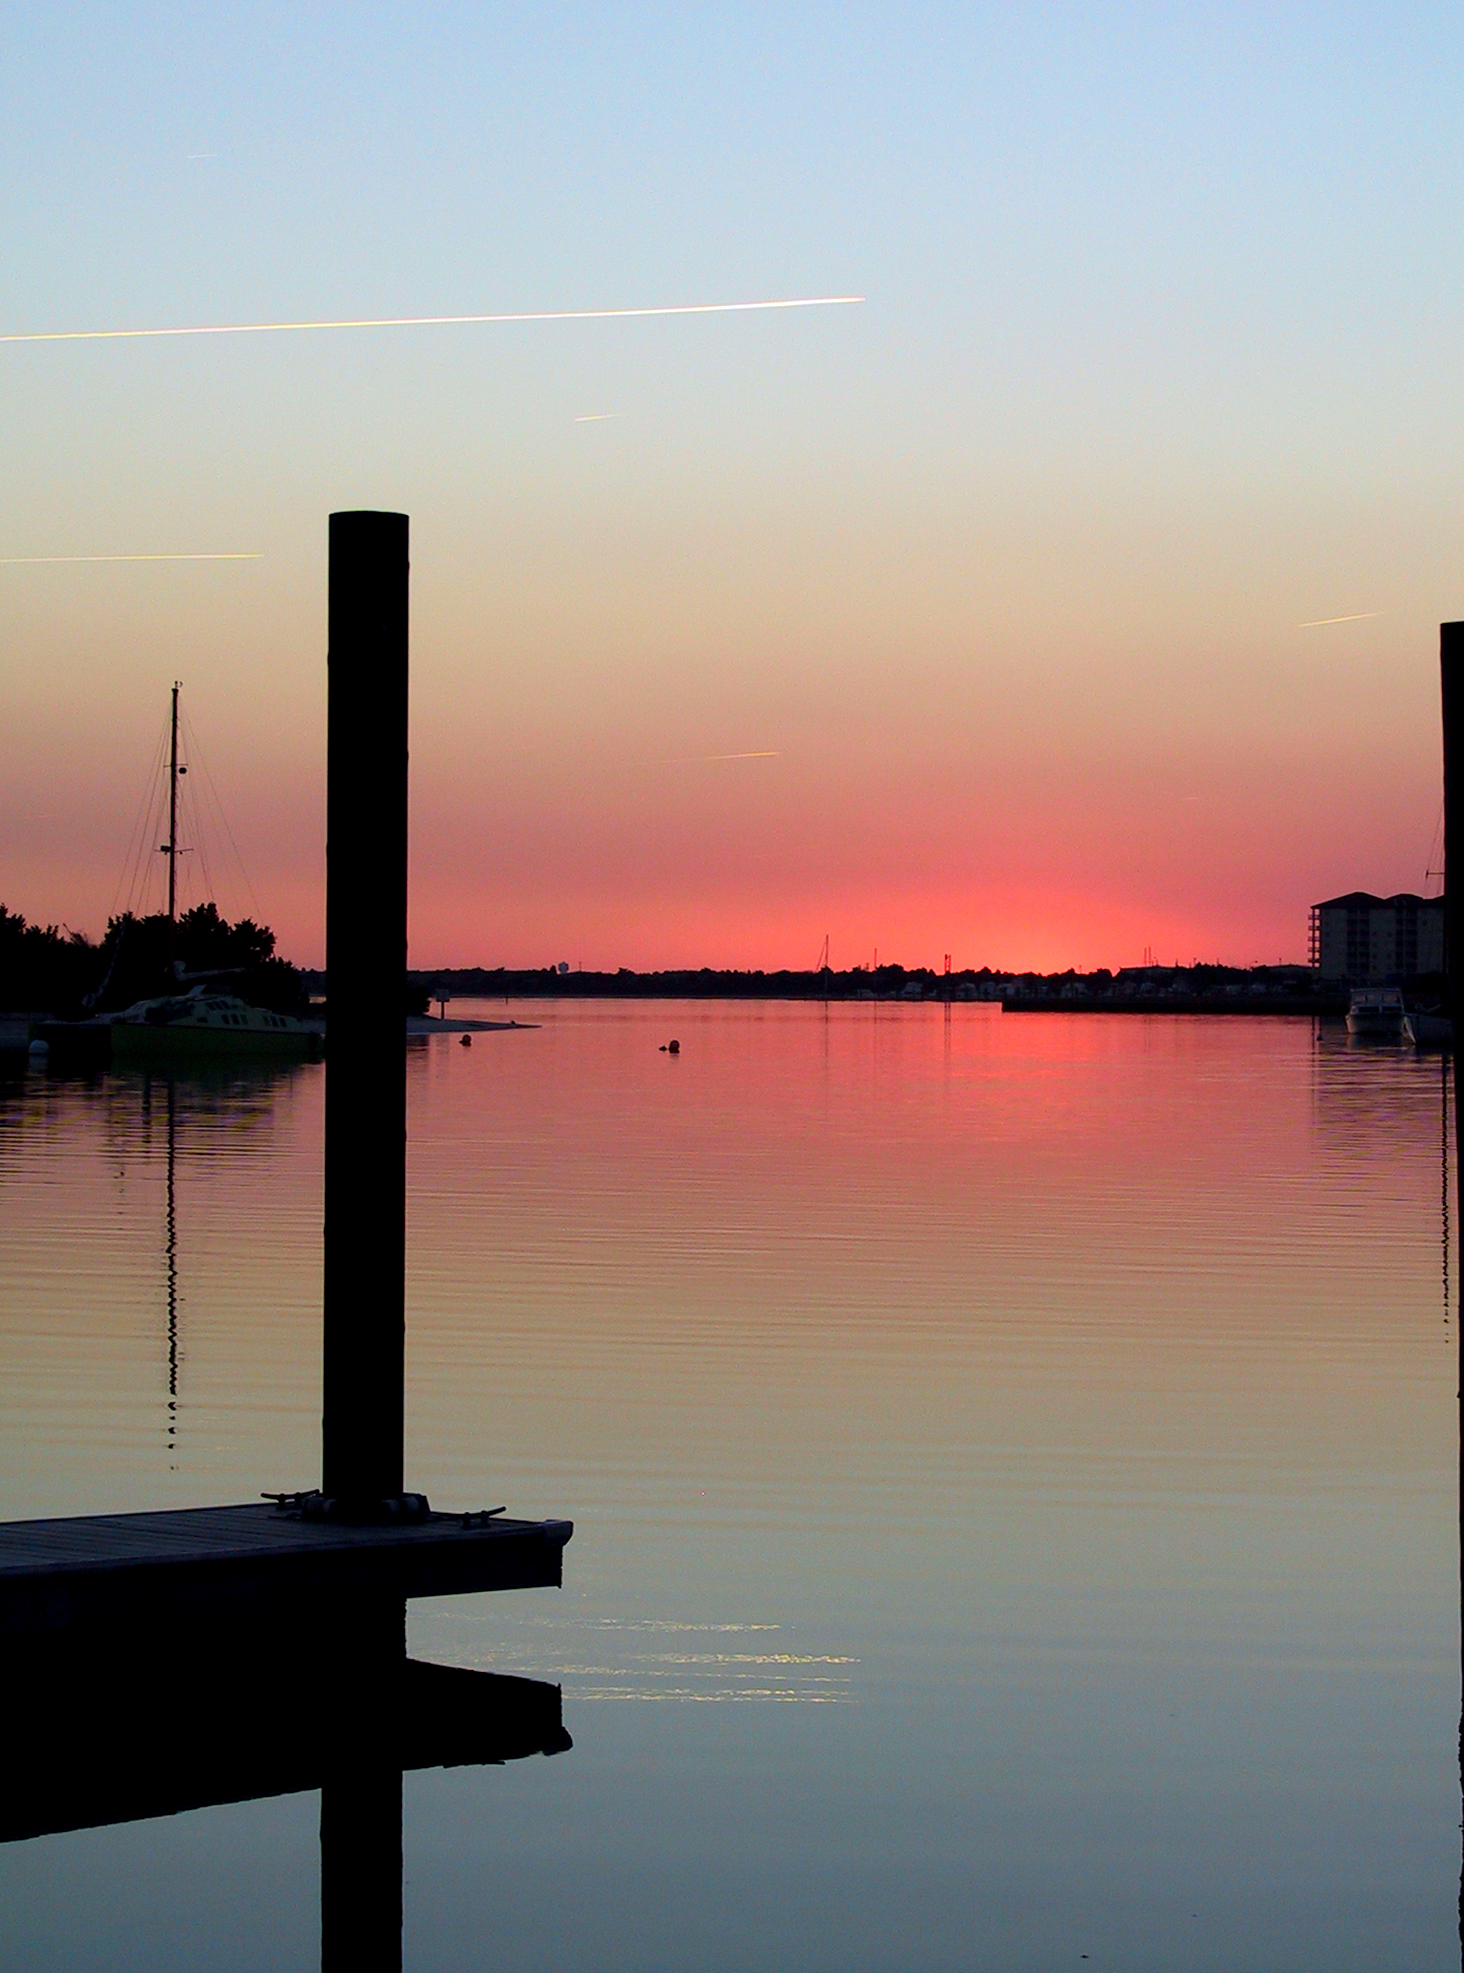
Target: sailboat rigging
[170,847]
[195,1018]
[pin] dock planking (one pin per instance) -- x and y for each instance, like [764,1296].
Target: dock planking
[115,1569]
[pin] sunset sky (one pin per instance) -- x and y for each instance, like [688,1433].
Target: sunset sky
[995,582]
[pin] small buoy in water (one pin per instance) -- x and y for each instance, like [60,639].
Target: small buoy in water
[673,1047]
[466,1040]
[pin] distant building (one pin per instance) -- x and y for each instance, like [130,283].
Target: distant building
[1362,938]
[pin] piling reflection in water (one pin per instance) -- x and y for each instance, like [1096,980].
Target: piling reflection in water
[157,1725]
[1356,1089]
[1444,1185]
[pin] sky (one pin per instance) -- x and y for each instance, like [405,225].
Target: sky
[967,619]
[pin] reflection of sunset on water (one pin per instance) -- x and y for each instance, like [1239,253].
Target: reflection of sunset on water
[1030,1392]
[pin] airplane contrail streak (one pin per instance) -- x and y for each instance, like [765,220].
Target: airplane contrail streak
[14,561]
[1318,623]
[428,321]
[695,760]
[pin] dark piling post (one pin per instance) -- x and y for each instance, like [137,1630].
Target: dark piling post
[1451,669]
[366,958]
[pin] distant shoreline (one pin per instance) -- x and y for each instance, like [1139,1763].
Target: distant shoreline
[1202,990]
[1317,1006]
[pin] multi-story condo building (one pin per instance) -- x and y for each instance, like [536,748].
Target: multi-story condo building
[1362,938]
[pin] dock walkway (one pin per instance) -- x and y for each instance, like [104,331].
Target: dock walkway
[114,1569]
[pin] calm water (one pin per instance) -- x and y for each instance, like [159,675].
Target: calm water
[1013,1462]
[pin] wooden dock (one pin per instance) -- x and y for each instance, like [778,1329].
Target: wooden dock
[221,1654]
[225,1563]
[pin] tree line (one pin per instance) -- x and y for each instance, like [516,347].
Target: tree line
[50,969]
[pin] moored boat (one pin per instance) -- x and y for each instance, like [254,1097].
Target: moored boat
[201,1023]
[1376,1014]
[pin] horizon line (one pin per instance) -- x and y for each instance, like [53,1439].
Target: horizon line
[430,321]
[223,555]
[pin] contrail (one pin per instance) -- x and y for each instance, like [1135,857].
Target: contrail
[595,417]
[429,321]
[1318,622]
[694,760]
[249,555]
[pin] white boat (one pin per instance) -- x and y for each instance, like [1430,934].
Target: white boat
[1376,1013]
[201,1023]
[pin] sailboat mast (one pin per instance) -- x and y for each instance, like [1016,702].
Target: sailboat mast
[173,827]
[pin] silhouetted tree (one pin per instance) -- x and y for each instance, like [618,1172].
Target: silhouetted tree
[142,958]
[42,967]
[46,969]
